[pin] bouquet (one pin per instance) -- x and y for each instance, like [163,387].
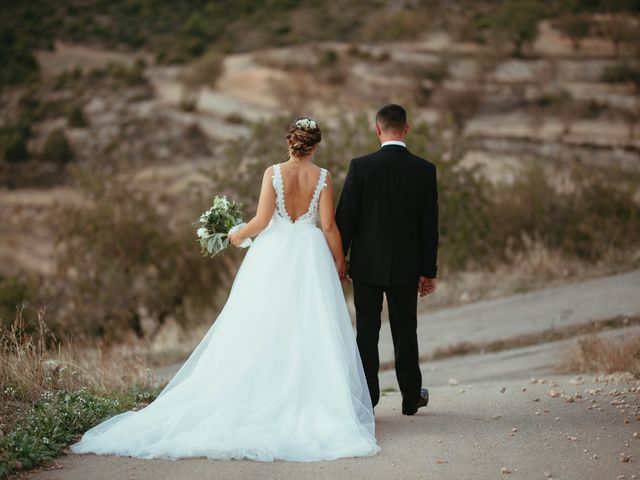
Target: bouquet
[214,226]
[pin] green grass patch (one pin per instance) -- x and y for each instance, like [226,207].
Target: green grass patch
[50,424]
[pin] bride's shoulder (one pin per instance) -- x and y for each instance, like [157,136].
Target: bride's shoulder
[270,171]
[269,175]
[319,172]
[320,169]
[325,177]
[326,171]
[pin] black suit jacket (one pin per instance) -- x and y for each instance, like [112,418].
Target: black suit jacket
[388,217]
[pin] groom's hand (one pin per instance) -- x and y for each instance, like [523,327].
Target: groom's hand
[426,285]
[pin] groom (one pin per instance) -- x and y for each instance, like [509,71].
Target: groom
[388,216]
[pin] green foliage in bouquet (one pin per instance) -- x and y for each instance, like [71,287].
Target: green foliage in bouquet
[214,225]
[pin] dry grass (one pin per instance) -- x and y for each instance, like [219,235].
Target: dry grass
[538,267]
[603,355]
[52,391]
[544,336]
[33,362]
[534,338]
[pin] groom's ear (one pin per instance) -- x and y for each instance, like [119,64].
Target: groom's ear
[378,129]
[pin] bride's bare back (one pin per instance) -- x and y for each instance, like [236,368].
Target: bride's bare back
[299,181]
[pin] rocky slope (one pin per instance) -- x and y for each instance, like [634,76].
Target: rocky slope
[552,106]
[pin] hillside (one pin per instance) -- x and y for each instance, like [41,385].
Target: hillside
[173,133]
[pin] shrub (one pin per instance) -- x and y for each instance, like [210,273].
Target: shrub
[465,217]
[436,72]
[123,264]
[13,142]
[576,27]
[18,63]
[97,73]
[29,107]
[187,103]
[132,76]
[622,73]
[331,67]
[203,72]
[599,215]
[76,118]
[460,105]
[51,391]
[63,79]
[328,58]
[57,148]
[595,354]
[177,32]
[13,292]
[517,22]
[49,425]
[405,24]
[621,30]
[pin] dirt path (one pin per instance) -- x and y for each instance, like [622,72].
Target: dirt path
[485,419]
[458,435]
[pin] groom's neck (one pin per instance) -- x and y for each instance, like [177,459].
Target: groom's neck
[391,138]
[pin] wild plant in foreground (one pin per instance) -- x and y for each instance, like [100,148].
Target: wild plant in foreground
[52,391]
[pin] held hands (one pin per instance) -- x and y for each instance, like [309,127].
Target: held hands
[426,285]
[341,267]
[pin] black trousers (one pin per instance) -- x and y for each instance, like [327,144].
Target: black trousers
[402,302]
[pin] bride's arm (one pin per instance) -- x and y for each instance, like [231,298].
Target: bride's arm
[330,229]
[264,212]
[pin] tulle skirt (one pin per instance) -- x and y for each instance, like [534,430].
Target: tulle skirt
[276,377]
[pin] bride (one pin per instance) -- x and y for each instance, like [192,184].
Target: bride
[278,375]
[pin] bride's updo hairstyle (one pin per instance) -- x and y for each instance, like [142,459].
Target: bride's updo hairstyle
[303,135]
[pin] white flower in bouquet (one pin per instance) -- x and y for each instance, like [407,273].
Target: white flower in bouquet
[216,223]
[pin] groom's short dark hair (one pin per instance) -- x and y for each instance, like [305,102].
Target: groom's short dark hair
[391,117]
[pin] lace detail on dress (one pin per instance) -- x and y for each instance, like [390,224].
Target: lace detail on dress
[278,185]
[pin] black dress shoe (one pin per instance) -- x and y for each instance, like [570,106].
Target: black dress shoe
[422,402]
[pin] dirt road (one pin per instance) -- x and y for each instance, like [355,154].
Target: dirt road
[459,435]
[487,418]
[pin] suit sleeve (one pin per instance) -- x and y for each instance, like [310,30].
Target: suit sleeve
[430,235]
[348,207]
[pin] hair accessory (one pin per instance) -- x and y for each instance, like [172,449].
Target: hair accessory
[306,123]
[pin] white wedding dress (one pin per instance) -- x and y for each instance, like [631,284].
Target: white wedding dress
[276,377]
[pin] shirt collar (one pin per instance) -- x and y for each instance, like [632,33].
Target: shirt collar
[393,142]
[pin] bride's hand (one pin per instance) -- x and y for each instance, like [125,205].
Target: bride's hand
[235,238]
[341,267]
